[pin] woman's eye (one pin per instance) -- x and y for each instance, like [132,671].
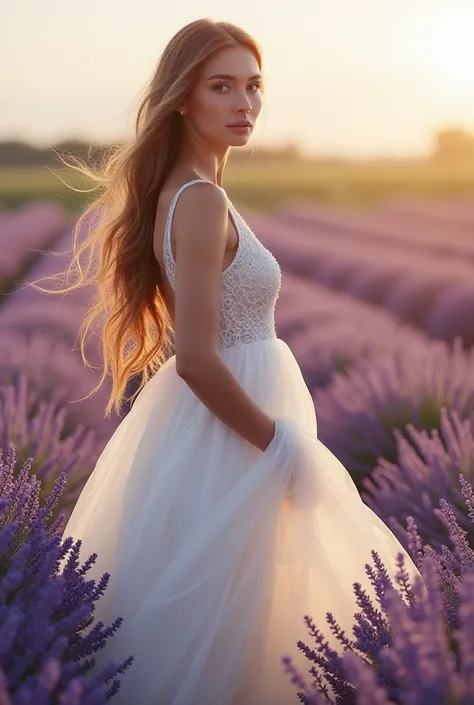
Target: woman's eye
[218,86]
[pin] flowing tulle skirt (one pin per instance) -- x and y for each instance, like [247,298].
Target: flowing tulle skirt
[216,550]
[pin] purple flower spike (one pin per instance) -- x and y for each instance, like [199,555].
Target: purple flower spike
[41,430]
[427,468]
[359,413]
[46,655]
[417,645]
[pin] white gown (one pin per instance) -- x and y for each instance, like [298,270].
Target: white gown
[216,550]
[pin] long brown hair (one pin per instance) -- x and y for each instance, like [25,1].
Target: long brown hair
[121,268]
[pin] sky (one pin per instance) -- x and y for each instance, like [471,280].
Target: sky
[359,78]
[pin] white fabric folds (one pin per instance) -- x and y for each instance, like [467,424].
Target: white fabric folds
[216,550]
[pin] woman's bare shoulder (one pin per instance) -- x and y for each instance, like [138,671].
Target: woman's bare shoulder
[203,200]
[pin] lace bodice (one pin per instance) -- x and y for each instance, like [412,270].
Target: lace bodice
[250,284]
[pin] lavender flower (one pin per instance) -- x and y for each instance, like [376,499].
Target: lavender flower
[328,332]
[388,225]
[371,637]
[429,666]
[427,468]
[332,248]
[359,412]
[41,430]
[452,314]
[22,233]
[416,644]
[29,311]
[45,614]
[57,374]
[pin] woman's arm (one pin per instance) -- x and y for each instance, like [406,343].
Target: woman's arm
[200,233]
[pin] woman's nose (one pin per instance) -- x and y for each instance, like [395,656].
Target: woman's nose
[244,104]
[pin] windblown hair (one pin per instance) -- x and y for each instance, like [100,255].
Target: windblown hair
[121,270]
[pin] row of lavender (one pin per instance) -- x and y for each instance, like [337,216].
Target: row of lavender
[419,270]
[398,409]
[22,234]
[42,375]
[47,649]
[340,341]
[431,228]
[49,443]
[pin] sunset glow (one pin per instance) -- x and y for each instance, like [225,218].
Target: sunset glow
[338,72]
[453,49]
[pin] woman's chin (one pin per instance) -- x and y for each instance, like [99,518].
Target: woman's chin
[237,140]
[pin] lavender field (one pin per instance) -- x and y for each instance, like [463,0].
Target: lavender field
[378,307]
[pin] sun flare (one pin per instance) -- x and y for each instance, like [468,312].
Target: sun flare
[453,49]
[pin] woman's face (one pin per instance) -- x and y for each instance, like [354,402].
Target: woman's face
[228,91]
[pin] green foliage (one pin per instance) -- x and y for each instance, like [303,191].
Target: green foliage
[261,182]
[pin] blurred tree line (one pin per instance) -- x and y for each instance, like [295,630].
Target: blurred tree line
[449,145]
[16,153]
[455,144]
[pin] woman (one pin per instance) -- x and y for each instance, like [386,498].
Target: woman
[220,516]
